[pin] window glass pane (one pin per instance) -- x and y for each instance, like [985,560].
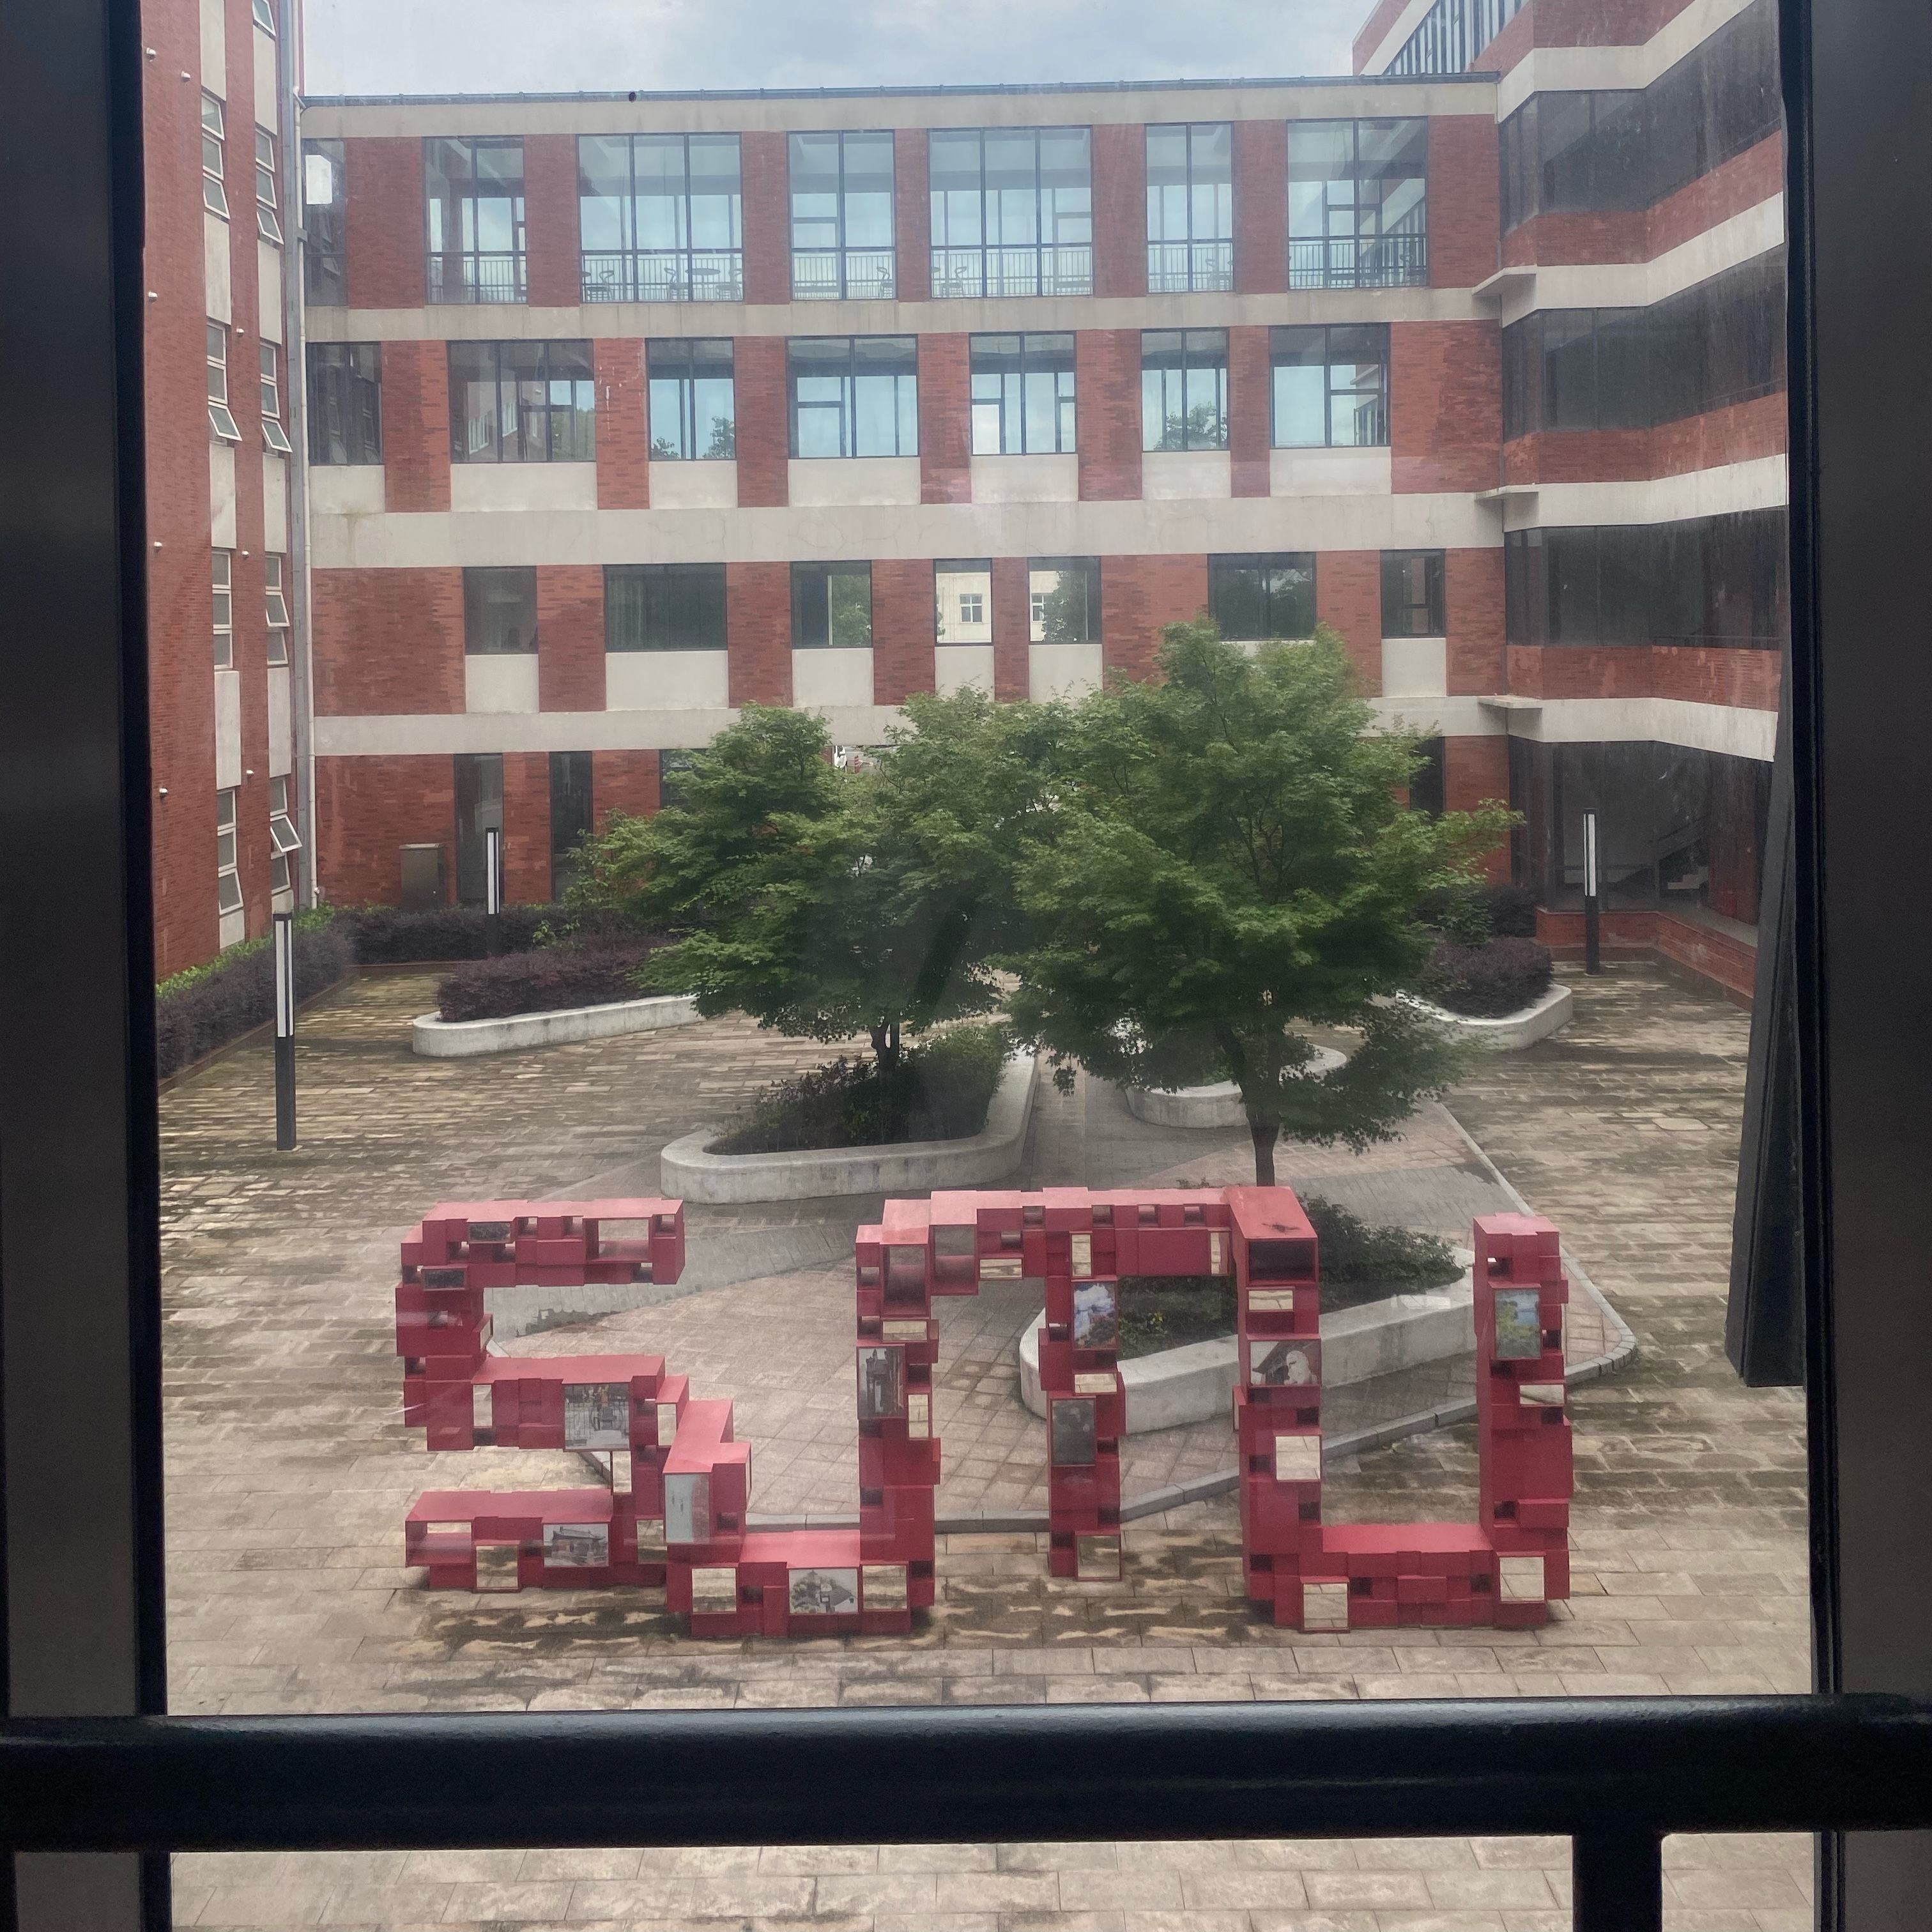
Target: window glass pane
[678,607]
[500,611]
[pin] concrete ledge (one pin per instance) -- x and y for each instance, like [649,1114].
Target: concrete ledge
[691,1173]
[457,1039]
[1508,1031]
[1218,1106]
[1195,1383]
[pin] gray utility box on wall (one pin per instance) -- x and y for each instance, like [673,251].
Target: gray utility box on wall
[422,877]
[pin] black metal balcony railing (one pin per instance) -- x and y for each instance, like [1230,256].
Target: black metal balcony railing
[477,278]
[1398,261]
[1178,268]
[1065,270]
[855,274]
[715,274]
[1614,1774]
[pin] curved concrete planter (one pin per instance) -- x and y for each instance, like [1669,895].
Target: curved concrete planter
[1509,1031]
[457,1039]
[689,1173]
[1217,1106]
[1195,1383]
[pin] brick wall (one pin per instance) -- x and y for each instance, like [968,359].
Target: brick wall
[764,428]
[1445,405]
[1348,598]
[1107,388]
[945,419]
[1568,236]
[570,637]
[1726,961]
[551,207]
[1752,679]
[623,425]
[1463,200]
[388,642]
[415,425]
[1473,600]
[366,809]
[1120,211]
[904,623]
[623,781]
[526,827]
[1261,207]
[1250,385]
[1741,182]
[1013,628]
[386,239]
[1138,595]
[766,176]
[1698,674]
[1737,433]
[1475,771]
[912,218]
[757,606]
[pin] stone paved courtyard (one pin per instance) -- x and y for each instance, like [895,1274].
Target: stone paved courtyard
[289,1474]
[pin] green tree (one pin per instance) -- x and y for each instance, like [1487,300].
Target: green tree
[1224,865]
[1203,427]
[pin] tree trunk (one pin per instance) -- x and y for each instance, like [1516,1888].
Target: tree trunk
[886,1048]
[1264,1133]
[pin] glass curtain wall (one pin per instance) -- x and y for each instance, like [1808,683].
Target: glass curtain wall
[1190,197]
[1357,204]
[1013,212]
[662,217]
[841,217]
[476,220]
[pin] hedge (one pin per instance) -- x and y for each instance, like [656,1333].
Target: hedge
[387,936]
[202,1010]
[1487,982]
[545,981]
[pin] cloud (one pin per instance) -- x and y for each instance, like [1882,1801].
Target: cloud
[511,46]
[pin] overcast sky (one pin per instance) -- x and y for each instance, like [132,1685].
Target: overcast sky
[506,46]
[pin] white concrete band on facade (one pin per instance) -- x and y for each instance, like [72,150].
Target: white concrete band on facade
[687,1171]
[1758,483]
[1195,1383]
[1507,1032]
[1579,70]
[1217,1106]
[438,1039]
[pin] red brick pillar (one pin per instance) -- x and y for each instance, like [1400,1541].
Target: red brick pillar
[1012,627]
[1445,405]
[757,605]
[550,206]
[1261,207]
[1465,198]
[387,241]
[912,217]
[1120,211]
[387,643]
[1472,592]
[623,425]
[945,419]
[415,425]
[1348,598]
[1139,597]
[1250,411]
[764,428]
[766,174]
[905,629]
[1107,390]
[622,781]
[1475,771]
[527,828]
[570,637]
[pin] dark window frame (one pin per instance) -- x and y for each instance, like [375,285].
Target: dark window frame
[1047,265]
[1287,611]
[875,282]
[1205,264]
[324,227]
[345,404]
[1376,255]
[1088,569]
[674,361]
[1198,351]
[810,589]
[1282,345]
[685,604]
[1038,355]
[487,598]
[904,413]
[685,271]
[452,216]
[542,420]
[1404,614]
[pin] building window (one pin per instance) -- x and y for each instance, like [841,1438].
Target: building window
[274,584]
[1190,193]
[214,156]
[963,601]
[1184,388]
[479,808]
[227,866]
[662,218]
[664,607]
[1063,600]
[267,198]
[224,609]
[1255,598]
[345,402]
[1428,783]
[831,606]
[674,769]
[1331,386]
[570,817]
[854,395]
[284,840]
[324,237]
[221,419]
[1357,204]
[841,216]
[1412,598]
[694,407]
[476,240]
[273,434]
[1022,395]
[500,611]
[1013,211]
[265,14]
[1451,34]
[522,402]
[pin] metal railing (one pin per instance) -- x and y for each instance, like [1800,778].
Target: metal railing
[644,275]
[855,274]
[1397,261]
[998,272]
[1177,268]
[1614,1774]
[477,278]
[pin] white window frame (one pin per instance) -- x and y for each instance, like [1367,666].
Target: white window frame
[273,436]
[214,135]
[227,868]
[284,839]
[264,15]
[220,417]
[223,571]
[274,568]
[267,220]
